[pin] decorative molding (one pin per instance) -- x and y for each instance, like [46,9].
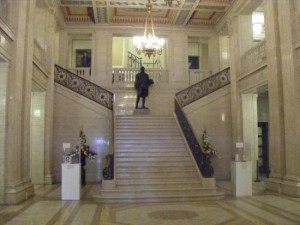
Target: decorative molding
[40,76]
[4,28]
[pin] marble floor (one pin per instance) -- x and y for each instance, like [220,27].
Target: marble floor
[46,208]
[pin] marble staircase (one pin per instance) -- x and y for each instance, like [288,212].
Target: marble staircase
[152,164]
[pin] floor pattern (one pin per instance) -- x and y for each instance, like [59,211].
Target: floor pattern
[46,208]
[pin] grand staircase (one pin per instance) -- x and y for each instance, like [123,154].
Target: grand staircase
[153,165]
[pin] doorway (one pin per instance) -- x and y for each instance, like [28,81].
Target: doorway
[37,134]
[263,134]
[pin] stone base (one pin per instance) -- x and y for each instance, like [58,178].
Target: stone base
[287,186]
[209,182]
[141,111]
[49,179]
[18,193]
[108,184]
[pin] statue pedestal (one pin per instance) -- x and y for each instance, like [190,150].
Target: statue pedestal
[241,178]
[70,181]
[141,111]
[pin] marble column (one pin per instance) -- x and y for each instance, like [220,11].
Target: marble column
[64,51]
[102,58]
[234,62]
[51,33]
[214,54]
[4,69]
[178,60]
[250,131]
[18,185]
[276,116]
[291,107]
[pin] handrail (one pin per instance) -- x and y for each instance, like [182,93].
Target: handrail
[202,160]
[83,87]
[204,87]
[134,61]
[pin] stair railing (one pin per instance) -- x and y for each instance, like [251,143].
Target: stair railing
[203,88]
[189,95]
[134,61]
[202,160]
[83,87]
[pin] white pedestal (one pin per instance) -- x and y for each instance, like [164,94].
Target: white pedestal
[70,181]
[241,178]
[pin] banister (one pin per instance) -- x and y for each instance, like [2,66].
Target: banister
[83,87]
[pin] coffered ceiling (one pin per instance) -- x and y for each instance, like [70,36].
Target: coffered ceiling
[129,12]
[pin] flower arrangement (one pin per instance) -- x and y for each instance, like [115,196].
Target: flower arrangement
[207,147]
[82,148]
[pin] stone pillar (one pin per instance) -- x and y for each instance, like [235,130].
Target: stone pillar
[63,54]
[102,58]
[250,131]
[276,123]
[37,143]
[234,62]
[51,33]
[18,185]
[214,61]
[291,94]
[178,60]
[245,33]
[4,69]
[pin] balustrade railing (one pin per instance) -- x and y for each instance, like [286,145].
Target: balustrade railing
[254,56]
[84,72]
[126,76]
[134,61]
[83,87]
[202,160]
[203,87]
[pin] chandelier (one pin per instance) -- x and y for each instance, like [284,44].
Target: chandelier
[148,44]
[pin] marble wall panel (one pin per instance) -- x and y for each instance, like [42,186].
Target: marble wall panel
[213,113]
[73,113]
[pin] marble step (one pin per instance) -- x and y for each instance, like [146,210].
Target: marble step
[124,197]
[159,183]
[157,175]
[139,149]
[151,154]
[172,141]
[147,135]
[167,169]
[161,159]
[146,132]
[150,117]
[152,164]
[148,146]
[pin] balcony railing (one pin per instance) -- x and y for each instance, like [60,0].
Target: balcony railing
[126,76]
[40,56]
[254,57]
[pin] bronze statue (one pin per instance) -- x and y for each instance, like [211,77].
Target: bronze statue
[142,83]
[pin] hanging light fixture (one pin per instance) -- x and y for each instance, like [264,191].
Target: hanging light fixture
[149,44]
[169,2]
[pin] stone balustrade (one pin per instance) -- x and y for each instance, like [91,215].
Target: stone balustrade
[254,57]
[40,56]
[126,76]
